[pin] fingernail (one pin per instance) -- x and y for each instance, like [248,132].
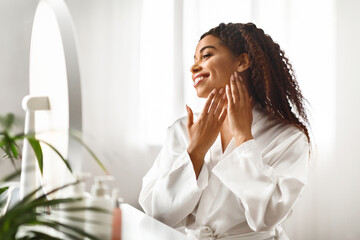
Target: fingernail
[213,91]
[224,96]
[236,74]
[232,77]
[221,90]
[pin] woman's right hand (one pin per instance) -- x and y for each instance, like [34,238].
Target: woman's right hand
[203,133]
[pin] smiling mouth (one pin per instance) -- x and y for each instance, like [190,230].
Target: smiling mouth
[198,80]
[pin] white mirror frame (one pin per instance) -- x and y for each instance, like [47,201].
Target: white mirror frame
[54,78]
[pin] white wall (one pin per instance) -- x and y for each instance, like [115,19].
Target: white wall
[16,17]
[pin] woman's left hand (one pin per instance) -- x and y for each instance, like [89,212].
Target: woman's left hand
[239,109]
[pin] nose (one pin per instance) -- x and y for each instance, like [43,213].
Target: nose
[195,68]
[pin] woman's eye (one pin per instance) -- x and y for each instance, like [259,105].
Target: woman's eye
[205,56]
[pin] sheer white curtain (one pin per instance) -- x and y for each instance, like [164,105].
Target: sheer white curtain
[158,92]
[109,37]
[306,31]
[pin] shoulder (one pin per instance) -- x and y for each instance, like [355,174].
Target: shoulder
[273,134]
[272,127]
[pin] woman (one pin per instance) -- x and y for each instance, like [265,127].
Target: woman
[244,182]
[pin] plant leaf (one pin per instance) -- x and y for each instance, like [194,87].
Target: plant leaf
[3,189]
[7,121]
[9,147]
[35,235]
[3,142]
[35,144]
[77,136]
[95,209]
[32,136]
[9,154]
[22,136]
[59,154]
[56,225]
[24,213]
[14,149]
[11,176]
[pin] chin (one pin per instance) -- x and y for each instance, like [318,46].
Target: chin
[202,94]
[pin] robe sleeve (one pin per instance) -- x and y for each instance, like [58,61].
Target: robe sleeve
[268,193]
[170,190]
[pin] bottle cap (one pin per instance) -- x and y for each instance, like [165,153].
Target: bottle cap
[99,188]
[79,187]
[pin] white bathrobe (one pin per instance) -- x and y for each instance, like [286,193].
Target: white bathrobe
[245,192]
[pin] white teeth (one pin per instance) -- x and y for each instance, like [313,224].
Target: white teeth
[198,79]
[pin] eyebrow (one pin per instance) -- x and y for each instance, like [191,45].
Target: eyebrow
[202,49]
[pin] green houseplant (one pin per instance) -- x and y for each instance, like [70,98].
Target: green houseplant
[32,211]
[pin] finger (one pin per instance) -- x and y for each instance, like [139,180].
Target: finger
[229,97]
[222,116]
[240,87]
[246,91]
[225,95]
[208,102]
[216,101]
[220,105]
[248,99]
[190,117]
[234,89]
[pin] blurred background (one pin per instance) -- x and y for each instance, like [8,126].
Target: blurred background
[135,57]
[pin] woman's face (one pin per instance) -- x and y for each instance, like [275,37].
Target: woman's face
[213,65]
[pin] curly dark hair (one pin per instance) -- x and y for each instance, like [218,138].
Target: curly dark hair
[271,80]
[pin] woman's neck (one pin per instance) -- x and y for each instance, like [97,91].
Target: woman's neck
[225,134]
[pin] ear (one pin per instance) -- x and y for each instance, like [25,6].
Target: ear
[244,62]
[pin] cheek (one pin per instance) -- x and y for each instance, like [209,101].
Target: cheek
[226,66]
[221,70]
[224,73]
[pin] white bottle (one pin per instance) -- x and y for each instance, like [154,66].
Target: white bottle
[66,210]
[99,223]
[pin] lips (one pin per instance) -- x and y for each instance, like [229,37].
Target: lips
[199,78]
